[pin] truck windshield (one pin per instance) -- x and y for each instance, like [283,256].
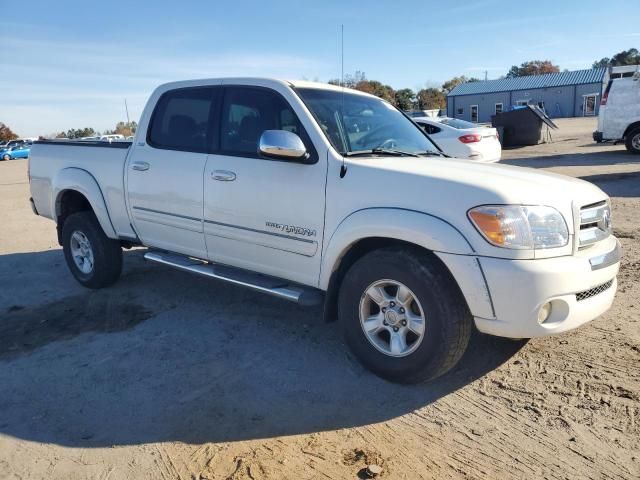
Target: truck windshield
[356,124]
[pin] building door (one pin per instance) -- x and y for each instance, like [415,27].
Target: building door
[474,113]
[590,105]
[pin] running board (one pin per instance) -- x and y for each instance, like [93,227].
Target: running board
[302,295]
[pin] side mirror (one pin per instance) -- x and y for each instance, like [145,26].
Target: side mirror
[282,145]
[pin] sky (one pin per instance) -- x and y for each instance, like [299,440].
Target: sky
[67,64]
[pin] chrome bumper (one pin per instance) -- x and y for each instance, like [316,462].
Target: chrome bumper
[606,259]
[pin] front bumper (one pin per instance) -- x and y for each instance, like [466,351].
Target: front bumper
[580,288]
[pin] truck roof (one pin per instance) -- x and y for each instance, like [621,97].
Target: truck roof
[260,80]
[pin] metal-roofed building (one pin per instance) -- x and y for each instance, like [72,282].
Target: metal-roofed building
[563,94]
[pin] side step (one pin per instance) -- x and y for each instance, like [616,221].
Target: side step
[306,296]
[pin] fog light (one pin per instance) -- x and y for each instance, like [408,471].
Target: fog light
[544,312]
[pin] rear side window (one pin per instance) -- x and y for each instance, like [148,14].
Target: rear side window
[457,123]
[430,129]
[247,112]
[181,120]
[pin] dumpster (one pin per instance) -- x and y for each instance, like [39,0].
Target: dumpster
[523,125]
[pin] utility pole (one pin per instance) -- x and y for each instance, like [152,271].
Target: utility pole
[126,110]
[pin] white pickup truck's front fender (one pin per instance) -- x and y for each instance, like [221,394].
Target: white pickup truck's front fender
[424,230]
[84,183]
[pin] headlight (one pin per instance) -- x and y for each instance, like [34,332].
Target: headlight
[520,226]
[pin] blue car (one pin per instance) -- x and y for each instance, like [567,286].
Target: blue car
[21,151]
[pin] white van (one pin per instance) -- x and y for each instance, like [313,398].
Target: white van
[619,117]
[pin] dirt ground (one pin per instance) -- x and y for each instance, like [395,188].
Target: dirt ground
[168,376]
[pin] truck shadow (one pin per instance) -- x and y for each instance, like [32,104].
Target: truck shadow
[614,184]
[616,156]
[624,184]
[166,356]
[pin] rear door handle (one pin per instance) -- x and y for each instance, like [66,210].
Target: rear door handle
[140,166]
[223,175]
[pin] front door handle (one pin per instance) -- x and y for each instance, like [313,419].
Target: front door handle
[140,166]
[223,175]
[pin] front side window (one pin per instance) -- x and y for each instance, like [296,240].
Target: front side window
[247,112]
[357,123]
[181,120]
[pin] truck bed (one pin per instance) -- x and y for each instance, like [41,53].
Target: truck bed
[104,161]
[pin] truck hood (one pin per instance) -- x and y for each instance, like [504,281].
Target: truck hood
[449,187]
[489,183]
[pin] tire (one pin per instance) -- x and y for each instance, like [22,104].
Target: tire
[632,141]
[98,259]
[6,158]
[446,320]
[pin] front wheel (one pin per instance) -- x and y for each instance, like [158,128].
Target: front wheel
[6,157]
[94,259]
[632,141]
[403,315]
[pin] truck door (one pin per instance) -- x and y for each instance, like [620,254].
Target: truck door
[263,215]
[164,172]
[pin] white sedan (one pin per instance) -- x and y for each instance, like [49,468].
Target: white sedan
[462,139]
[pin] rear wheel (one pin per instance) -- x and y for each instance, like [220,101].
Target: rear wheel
[632,141]
[94,259]
[403,315]
[6,157]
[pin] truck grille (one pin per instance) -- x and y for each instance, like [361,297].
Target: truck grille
[592,292]
[595,223]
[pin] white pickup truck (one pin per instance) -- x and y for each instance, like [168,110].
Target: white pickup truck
[314,193]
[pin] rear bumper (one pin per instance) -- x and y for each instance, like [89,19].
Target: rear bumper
[486,153]
[579,289]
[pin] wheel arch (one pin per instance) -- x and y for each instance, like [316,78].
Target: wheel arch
[77,190]
[630,128]
[361,233]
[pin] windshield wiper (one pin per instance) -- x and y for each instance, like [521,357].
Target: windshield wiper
[431,153]
[378,151]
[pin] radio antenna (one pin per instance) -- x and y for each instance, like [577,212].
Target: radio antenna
[343,167]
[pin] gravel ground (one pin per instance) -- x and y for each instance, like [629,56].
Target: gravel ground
[170,376]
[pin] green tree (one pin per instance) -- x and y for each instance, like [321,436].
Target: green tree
[350,80]
[455,81]
[123,128]
[78,133]
[378,89]
[625,57]
[603,62]
[533,67]
[405,99]
[6,133]
[431,99]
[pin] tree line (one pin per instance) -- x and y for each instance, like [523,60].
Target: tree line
[405,99]
[428,98]
[126,129]
[435,98]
